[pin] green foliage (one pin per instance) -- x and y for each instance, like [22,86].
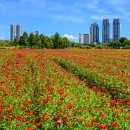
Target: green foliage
[31,40]
[88,47]
[115,45]
[126,47]
[23,39]
[57,40]
[122,39]
[92,45]
[122,43]
[72,44]
[99,46]
[49,43]
[127,43]
[42,41]
[65,43]
[78,45]
[37,41]
[4,43]
[14,42]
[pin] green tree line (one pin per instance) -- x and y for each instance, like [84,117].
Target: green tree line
[56,41]
[41,41]
[123,42]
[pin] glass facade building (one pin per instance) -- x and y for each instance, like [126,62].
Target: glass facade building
[94,33]
[105,31]
[116,29]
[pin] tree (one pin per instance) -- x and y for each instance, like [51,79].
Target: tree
[127,42]
[72,44]
[115,44]
[57,40]
[31,40]
[43,40]
[37,40]
[65,42]
[122,41]
[23,41]
[48,42]
[15,42]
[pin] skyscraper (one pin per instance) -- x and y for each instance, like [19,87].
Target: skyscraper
[94,33]
[105,31]
[80,37]
[12,32]
[116,29]
[18,31]
[86,39]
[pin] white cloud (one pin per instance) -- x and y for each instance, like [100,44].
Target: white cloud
[70,37]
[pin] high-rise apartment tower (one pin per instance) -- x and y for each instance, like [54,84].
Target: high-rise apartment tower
[94,33]
[18,31]
[86,39]
[116,29]
[80,38]
[12,32]
[105,31]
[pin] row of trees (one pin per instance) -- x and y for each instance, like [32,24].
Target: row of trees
[123,42]
[41,41]
[56,41]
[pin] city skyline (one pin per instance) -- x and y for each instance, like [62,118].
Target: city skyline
[93,37]
[69,18]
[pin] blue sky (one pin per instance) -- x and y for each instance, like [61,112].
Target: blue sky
[67,17]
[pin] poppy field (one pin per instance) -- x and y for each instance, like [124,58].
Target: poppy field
[70,89]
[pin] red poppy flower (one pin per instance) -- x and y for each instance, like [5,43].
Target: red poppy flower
[103,126]
[58,122]
[114,124]
[95,120]
[1,118]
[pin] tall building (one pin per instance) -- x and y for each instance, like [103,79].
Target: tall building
[80,38]
[116,29]
[12,32]
[86,39]
[18,31]
[94,33]
[105,31]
